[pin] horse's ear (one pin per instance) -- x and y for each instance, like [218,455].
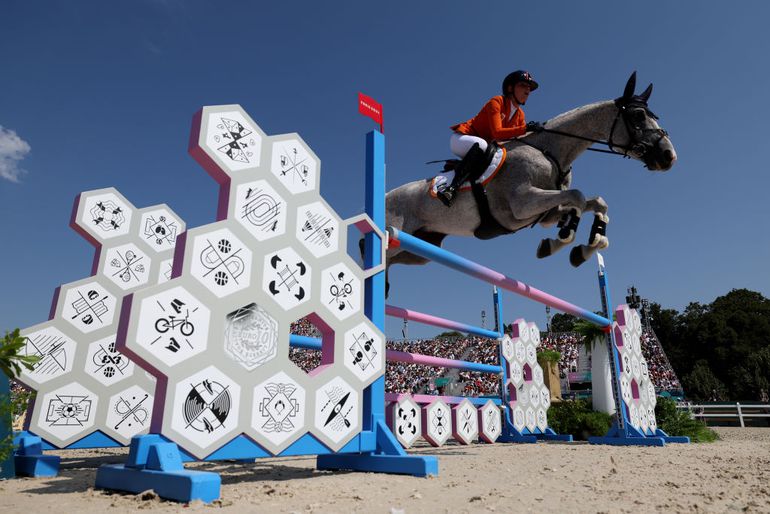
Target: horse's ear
[630,86]
[646,95]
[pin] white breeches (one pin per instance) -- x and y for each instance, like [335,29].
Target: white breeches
[461,143]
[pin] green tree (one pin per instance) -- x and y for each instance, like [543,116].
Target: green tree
[563,322]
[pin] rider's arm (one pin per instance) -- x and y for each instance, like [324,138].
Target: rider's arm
[493,114]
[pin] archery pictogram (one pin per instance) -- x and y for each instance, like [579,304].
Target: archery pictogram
[52,350]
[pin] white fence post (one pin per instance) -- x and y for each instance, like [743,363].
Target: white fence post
[740,414]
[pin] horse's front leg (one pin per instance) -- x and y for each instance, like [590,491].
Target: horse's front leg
[597,239]
[565,206]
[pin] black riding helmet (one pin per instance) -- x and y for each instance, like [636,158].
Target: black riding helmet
[518,76]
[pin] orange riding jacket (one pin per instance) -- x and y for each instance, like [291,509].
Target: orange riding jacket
[492,121]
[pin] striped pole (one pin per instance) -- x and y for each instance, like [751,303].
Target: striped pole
[419,247]
[311,343]
[429,319]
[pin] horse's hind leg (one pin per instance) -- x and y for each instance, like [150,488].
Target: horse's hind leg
[597,240]
[568,225]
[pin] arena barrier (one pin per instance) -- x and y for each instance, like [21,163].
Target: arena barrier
[201,412]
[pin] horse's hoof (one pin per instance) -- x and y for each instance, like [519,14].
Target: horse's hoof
[544,249]
[576,257]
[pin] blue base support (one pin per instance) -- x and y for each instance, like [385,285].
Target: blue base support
[153,463]
[550,435]
[29,459]
[628,437]
[682,439]
[390,457]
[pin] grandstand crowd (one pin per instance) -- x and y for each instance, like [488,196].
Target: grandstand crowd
[419,379]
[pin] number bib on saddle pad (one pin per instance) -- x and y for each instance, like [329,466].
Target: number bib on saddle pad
[489,173]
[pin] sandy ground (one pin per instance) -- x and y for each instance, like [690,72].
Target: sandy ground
[732,474]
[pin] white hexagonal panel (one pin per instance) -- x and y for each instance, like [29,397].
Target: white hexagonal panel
[519,351]
[541,419]
[531,354]
[221,262]
[341,291]
[295,165]
[55,350]
[127,266]
[204,409]
[318,229]
[106,364]
[364,352]
[405,421]
[436,423]
[519,418]
[337,406]
[104,214]
[130,412]
[545,397]
[517,373]
[251,336]
[490,422]
[159,228]
[465,422]
[507,348]
[534,334]
[89,307]
[234,140]
[260,210]
[278,415]
[531,419]
[172,326]
[537,374]
[67,413]
[534,396]
[286,278]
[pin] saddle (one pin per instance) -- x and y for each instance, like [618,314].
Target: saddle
[482,173]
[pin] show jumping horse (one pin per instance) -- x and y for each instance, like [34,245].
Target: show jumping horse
[533,185]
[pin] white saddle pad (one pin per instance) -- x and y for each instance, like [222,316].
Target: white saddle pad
[489,173]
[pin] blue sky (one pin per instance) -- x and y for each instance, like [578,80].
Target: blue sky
[99,94]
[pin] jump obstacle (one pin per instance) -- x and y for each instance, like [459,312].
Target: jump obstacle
[207,417]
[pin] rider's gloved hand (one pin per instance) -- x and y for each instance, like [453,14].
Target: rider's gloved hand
[534,126]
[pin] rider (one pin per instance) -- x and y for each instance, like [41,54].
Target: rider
[501,118]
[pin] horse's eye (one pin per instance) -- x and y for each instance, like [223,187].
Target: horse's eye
[639,116]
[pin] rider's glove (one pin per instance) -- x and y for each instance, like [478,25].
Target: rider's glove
[534,126]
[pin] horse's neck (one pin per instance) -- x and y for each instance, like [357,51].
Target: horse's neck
[593,121]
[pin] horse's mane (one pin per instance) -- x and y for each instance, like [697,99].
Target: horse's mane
[568,116]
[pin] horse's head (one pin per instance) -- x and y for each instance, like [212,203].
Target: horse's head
[636,132]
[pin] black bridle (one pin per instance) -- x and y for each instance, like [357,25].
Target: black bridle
[636,133]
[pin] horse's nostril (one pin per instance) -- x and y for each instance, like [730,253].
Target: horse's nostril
[670,155]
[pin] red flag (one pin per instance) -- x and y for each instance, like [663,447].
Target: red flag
[369,107]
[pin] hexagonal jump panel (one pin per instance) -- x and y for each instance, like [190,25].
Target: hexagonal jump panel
[404,419]
[219,329]
[84,382]
[436,419]
[465,422]
[490,422]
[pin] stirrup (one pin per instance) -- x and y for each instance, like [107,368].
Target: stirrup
[446,195]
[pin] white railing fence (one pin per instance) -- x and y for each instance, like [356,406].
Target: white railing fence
[727,411]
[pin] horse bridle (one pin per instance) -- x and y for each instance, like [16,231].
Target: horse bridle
[636,132]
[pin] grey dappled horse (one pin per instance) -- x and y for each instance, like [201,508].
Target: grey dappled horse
[533,185]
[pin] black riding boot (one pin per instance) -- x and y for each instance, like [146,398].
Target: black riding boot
[465,169]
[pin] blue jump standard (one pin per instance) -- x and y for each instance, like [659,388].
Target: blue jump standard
[29,459]
[154,463]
